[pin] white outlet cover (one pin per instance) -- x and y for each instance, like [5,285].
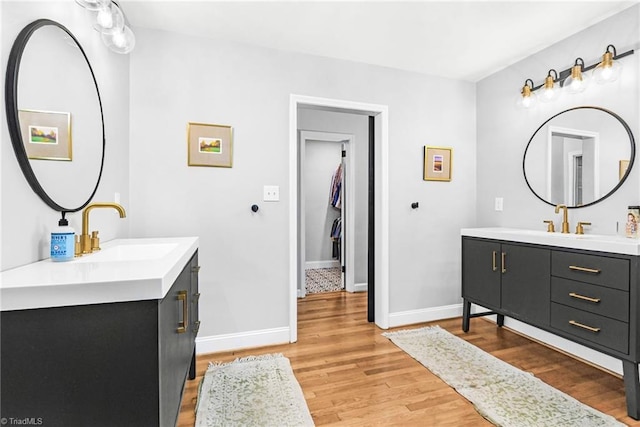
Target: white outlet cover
[271,193]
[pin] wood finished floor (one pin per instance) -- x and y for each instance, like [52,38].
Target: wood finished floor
[352,376]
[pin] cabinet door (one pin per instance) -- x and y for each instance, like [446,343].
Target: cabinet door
[175,346]
[526,283]
[481,272]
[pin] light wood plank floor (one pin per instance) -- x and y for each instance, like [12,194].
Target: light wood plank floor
[353,376]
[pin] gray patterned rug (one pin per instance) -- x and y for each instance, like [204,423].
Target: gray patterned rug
[503,394]
[319,280]
[252,391]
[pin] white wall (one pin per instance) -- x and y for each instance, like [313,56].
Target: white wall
[503,132]
[358,126]
[244,278]
[25,219]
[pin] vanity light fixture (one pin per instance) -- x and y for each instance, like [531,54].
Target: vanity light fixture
[607,70]
[527,98]
[574,79]
[111,22]
[550,90]
[577,81]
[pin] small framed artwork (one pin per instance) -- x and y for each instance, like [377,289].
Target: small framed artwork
[437,163]
[46,135]
[210,145]
[622,168]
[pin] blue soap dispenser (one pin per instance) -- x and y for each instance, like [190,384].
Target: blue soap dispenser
[63,241]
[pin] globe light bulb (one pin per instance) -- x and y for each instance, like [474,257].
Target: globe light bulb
[550,90]
[607,70]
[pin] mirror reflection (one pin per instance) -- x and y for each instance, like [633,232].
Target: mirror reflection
[54,115]
[578,157]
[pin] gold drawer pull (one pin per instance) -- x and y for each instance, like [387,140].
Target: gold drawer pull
[504,262]
[582,297]
[585,269]
[182,325]
[493,259]
[580,325]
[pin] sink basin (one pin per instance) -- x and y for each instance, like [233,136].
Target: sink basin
[130,252]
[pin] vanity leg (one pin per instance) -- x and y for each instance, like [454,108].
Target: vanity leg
[500,319]
[192,367]
[631,388]
[466,311]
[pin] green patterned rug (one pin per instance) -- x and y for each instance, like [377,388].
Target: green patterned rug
[503,394]
[252,391]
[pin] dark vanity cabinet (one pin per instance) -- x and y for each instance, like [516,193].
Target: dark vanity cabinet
[510,279]
[584,296]
[114,364]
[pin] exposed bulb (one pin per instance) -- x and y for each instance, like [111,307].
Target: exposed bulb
[527,98]
[104,18]
[577,82]
[608,70]
[119,39]
[550,91]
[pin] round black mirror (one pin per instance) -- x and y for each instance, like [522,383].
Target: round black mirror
[579,157]
[54,111]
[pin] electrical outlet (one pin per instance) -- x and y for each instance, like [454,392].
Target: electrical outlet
[271,193]
[499,204]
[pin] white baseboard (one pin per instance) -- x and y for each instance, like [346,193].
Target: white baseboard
[424,315]
[361,287]
[309,265]
[226,342]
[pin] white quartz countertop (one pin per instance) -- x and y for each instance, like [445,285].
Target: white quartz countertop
[124,270]
[591,242]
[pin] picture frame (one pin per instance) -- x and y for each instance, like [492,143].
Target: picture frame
[622,168]
[46,135]
[209,145]
[437,163]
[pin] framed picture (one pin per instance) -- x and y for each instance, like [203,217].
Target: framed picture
[46,135]
[622,168]
[209,145]
[437,163]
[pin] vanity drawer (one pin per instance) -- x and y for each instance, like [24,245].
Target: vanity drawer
[592,298]
[596,269]
[597,329]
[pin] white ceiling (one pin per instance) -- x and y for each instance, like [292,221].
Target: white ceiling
[466,40]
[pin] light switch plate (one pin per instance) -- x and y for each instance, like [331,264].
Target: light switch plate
[499,204]
[271,193]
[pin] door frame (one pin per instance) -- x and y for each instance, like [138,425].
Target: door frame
[381,224]
[349,202]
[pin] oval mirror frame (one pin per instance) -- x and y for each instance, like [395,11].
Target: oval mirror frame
[13,122]
[620,182]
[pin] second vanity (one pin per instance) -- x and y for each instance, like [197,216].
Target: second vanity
[583,288]
[106,339]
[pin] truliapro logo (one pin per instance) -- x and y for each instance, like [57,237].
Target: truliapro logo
[26,421]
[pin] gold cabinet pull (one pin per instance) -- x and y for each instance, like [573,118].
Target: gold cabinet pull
[195,269]
[582,297]
[580,325]
[182,325]
[585,269]
[504,262]
[196,326]
[495,267]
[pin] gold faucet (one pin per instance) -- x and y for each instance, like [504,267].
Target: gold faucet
[91,243]
[565,218]
[580,228]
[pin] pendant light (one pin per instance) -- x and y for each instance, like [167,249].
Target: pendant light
[550,90]
[527,97]
[578,81]
[607,70]
[93,5]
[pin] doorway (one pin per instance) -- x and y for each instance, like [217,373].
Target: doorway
[322,154]
[379,265]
